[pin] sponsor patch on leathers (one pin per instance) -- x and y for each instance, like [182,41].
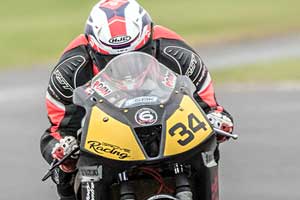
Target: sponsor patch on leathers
[189,63]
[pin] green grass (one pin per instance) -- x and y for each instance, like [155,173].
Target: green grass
[201,20]
[280,71]
[38,31]
[34,32]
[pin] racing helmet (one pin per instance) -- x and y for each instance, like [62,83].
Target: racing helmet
[118,26]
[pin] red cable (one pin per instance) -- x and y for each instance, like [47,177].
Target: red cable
[152,173]
[160,189]
[162,181]
[158,178]
[167,189]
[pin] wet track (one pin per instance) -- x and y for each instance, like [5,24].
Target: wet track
[263,164]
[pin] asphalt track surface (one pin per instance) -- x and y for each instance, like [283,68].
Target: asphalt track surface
[263,164]
[251,51]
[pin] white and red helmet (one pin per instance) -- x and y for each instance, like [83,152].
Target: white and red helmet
[118,26]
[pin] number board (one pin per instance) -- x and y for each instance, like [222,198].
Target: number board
[186,128]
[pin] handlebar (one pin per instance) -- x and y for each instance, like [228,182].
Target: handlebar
[224,133]
[55,163]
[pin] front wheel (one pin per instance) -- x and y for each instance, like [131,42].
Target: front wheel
[162,197]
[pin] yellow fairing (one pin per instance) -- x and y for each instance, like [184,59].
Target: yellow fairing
[111,139]
[186,128]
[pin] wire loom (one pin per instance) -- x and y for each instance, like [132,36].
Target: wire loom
[156,175]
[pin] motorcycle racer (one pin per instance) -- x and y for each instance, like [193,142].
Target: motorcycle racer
[115,27]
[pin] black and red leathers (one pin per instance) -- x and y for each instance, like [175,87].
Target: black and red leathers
[77,66]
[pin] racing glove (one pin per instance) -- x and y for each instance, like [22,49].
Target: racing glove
[222,122]
[64,147]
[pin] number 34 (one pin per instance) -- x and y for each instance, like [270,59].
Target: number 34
[194,125]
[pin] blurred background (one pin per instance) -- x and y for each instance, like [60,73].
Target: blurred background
[251,48]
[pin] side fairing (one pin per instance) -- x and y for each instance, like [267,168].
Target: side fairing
[110,138]
[186,128]
[112,133]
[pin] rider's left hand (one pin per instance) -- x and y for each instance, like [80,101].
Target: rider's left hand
[222,122]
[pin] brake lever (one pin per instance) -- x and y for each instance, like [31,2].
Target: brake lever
[224,133]
[55,163]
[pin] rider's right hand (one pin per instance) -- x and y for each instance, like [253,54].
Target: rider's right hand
[64,147]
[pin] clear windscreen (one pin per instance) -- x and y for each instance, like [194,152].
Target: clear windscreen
[134,79]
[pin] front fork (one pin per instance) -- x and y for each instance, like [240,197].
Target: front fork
[92,186]
[205,179]
[183,189]
[126,190]
[89,189]
[92,189]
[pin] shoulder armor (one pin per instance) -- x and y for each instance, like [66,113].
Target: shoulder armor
[163,32]
[70,73]
[182,59]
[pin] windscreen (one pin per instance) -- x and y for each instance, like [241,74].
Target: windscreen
[134,79]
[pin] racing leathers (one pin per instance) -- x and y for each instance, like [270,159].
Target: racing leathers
[78,65]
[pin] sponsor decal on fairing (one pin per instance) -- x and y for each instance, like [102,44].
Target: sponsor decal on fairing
[169,80]
[91,172]
[146,117]
[141,101]
[103,147]
[101,88]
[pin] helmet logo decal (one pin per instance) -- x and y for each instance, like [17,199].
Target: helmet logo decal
[146,117]
[120,40]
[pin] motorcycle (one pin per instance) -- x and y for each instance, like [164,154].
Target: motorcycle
[142,134]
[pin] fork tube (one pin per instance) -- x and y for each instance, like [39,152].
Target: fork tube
[183,189]
[126,190]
